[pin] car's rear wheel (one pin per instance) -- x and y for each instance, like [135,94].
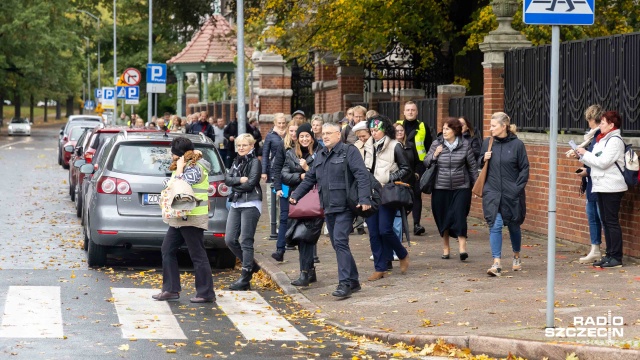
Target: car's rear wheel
[72,190]
[59,158]
[222,258]
[96,255]
[85,232]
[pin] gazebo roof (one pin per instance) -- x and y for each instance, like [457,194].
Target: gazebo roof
[212,48]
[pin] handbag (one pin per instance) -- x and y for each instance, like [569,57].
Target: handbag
[428,179]
[397,195]
[308,231]
[482,178]
[308,207]
[352,194]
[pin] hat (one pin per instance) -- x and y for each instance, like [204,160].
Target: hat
[298,112]
[306,127]
[362,125]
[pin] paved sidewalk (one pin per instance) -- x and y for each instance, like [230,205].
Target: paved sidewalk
[459,302]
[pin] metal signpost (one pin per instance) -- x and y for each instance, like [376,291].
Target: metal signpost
[156,83]
[242,114]
[552,12]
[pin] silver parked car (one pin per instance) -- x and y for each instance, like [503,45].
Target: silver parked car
[121,199]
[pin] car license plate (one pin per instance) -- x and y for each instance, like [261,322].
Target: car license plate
[151,199]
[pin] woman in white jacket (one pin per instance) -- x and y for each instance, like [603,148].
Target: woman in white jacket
[607,163]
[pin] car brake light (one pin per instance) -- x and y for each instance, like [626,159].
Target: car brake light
[65,139]
[111,185]
[218,234]
[218,189]
[107,232]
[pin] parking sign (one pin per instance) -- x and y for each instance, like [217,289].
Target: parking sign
[108,97]
[132,96]
[156,78]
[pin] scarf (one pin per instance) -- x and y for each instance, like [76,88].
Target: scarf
[240,163]
[377,145]
[451,146]
[588,137]
[603,135]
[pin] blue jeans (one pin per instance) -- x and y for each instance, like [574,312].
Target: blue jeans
[595,225]
[397,225]
[383,239]
[495,237]
[282,228]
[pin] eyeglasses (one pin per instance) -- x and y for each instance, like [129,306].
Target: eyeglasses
[328,133]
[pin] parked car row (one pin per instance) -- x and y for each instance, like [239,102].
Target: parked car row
[115,179]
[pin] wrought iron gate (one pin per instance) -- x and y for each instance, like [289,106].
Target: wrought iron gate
[302,78]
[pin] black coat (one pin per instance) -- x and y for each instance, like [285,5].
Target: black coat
[276,167]
[476,146]
[250,190]
[507,177]
[202,127]
[292,171]
[328,172]
[409,154]
[231,130]
[270,148]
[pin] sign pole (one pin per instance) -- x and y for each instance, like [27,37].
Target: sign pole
[150,56]
[242,114]
[553,170]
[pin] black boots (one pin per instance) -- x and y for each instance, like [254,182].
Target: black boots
[278,255]
[306,277]
[303,280]
[244,283]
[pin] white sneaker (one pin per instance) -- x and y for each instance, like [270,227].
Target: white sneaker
[395,257]
[371,258]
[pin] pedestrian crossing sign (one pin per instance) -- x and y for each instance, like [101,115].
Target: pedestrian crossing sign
[559,12]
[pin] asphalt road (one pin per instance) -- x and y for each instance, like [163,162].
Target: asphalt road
[54,307]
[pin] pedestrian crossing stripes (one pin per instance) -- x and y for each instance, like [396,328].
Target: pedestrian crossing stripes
[32,312]
[36,312]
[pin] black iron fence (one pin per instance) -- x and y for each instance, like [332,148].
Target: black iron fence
[390,109]
[601,71]
[302,78]
[471,107]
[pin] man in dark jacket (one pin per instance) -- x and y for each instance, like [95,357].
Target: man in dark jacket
[230,133]
[328,173]
[202,126]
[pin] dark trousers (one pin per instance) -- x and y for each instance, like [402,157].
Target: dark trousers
[306,255]
[194,238]
[609,205]
[282,228]
[383,239]
[340,225]
[416,211]
[241,232]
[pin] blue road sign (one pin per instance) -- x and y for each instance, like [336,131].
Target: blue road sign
[122,92]
[108,97]
[559,12]
[89,105]
[97,93]
[132,93]
[156,73]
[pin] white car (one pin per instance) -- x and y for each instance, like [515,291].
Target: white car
[19,126]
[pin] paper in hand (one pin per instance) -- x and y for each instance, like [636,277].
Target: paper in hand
[574,147]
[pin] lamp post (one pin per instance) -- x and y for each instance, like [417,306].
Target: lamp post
[98,20]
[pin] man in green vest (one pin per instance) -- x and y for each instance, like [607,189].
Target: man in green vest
[189,229]
[419,138]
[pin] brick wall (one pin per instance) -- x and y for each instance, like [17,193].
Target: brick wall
[493,94]
[571,221]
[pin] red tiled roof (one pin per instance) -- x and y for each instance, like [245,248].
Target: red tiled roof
[215,42]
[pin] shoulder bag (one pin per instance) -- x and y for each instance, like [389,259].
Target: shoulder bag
[482,178]
[352,193]
[308,207]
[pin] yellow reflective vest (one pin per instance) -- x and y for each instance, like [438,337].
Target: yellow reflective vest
[419,139]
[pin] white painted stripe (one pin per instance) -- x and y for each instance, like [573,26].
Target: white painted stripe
[32,312]
[144,318]
[255,318]
[13,143]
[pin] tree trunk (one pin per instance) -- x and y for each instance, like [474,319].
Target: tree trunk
[69,106]
[31,113]
[16,104]
[1,104]
[46,109]
[58,109]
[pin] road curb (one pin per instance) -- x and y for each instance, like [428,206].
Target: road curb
[478,344]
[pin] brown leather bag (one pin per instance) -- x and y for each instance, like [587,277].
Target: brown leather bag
[479,185]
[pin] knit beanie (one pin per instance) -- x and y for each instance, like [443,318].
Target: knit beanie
[305,127]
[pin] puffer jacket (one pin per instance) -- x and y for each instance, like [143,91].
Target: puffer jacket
[270,148]
[457,169]
[292,171]
[390,163]
[507,176]
[606,176]
[250,190]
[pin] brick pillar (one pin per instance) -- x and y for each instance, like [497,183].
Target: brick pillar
[192,94]
[274,91]
[325,83]
[495,44]
[350,78]
[446,93]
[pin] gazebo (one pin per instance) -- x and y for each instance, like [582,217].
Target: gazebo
[211,50]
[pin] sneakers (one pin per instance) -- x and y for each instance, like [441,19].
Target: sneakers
[599,263]
[343,291]
[495,270]
[371,258]
[418,229]
[517,264]
[612,263]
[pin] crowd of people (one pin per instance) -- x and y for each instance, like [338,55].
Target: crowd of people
[315,163]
